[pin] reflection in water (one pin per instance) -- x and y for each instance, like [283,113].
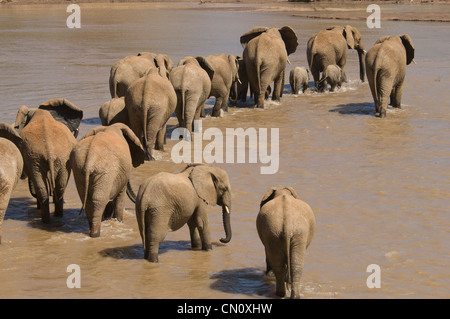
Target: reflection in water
[379,188]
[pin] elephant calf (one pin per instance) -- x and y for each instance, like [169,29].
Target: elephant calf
[333,75]
[11,166]
[102,162]
[285,226]
[299,79]
[165,202]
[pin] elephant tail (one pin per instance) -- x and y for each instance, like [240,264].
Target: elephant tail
[288,259]
[86,188]
[183,106]
[51,178]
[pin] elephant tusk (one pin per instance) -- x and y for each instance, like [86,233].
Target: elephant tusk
[364,51]
[227,210]
[288,61]
[239,81]
[414,61]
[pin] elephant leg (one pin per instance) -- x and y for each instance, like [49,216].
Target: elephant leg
[396,96]
[384,92]
[42,197]
[316,76]
[160,138]
[155,232]
[217,106]
[94,213]
[277,88]
[2,216]
[200,219]
[119,204]
[58,194]
[195,237]
[224,106]
[297,256]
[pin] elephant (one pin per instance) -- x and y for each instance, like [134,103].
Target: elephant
[150,101]
[113,111]
[225,74]
[285,225]
[46,146]
[167,201]
[11,166]
[132,67]
[386,68]
[191,80]
[332,75]
[330,46]
[265,56]
[299,79]
[102,162]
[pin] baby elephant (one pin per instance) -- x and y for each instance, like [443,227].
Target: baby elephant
[299,78]
[332,75]
[285,226]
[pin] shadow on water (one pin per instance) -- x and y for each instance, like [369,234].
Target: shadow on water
[92,121]
[355,109]
[137,251]
[25,209]
[248,281]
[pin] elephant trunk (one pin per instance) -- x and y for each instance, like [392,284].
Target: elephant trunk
[226,224]
[362,64]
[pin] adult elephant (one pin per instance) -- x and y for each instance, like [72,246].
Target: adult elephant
[166,201]
[386,68]
[225,74]
[132,67]
[285,225]
[150,101]
[11,166]
[113,111]
[46,146]
[330,46]
[191,80]
[102,163]
[265,56]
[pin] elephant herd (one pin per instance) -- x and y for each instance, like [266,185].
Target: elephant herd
[146,89]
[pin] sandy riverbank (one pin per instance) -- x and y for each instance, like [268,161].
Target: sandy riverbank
[402,10]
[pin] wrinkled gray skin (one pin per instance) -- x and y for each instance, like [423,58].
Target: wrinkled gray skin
[265,56]
[102,163]
[132,67]
[191,80]
[225,74]
[330,46]
[150,101]
[285,225]
[299,79]
[333,76]
[386,69]
[165,202]
[113,111]
[11,166]
[46,146]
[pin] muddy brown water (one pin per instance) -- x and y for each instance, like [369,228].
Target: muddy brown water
[379,188]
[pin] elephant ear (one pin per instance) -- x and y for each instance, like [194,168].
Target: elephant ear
[23,117]
[268,196]
[204,64]
[137,152]
[203,181]
[7,131]
[292,191]
[290,39]
[251,34]
[65,112]
[348,35]
[409,47]
[95,131]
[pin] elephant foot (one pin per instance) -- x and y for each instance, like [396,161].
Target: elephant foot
[207,247]
[94,234]
[153,258]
